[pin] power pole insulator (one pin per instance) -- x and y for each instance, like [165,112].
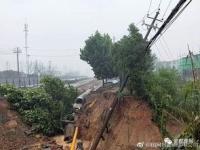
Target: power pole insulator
[152,26]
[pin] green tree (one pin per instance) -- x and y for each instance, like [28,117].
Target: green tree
[42,108]
[54,87]
[97,53]
[130,57]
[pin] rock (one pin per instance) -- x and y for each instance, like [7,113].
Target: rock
[11,124]
[38,136]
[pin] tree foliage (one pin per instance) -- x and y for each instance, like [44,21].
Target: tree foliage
[54,87]
[130,57]
[161,90]
[97,53]
[167,94]
[42,108]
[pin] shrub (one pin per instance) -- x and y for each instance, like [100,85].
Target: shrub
[54,87]
[161,89]
[42,108]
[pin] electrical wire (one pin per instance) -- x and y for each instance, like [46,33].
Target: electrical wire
[159,4]
[167,47]
[164,49]
[57,56]
[167,9]
[167,23]
[5,53]
[140,20]
[175,18]
[158,51]
[149,7]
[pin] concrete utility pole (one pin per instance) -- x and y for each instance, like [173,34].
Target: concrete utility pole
[168,20]
[192,63]
[100,132]
[151,26]
[26,49]
[17,51]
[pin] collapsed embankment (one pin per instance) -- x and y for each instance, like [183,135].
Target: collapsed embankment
[15,135]
[130,123]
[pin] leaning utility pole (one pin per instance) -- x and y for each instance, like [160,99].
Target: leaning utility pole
[151,26]
[171,16]
[100,132]
[192,63]
[17,51]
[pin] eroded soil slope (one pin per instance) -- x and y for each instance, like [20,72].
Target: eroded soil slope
[12,133]
[131,122]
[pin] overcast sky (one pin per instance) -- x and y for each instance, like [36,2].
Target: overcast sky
[58,28]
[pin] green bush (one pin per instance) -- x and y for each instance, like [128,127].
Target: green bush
[168,94]
[162,89]
[54,87]
[59,92]
[42,108]
[5,89]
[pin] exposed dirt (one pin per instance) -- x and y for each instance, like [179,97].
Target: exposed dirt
[175,127]
[12,133]
[130,124]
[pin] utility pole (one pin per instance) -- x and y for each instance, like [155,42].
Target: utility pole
[192,63]
[29,81]
[18,51]
[7,66]
[168,20]
[49,67]
[151,26]
[100,132]
[26,49]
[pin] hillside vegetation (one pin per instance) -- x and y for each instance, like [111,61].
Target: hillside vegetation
[42,108]
[165,91]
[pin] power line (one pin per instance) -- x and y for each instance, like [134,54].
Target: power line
[167,8]
[53,49]
[174,19]
[167,46]
[164,49]
[159,54]
[168,20]
[149,7]
[159,4]
[53,55]
[2,53]
[42,55]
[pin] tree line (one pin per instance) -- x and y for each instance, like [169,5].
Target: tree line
[164,90]
[128,56]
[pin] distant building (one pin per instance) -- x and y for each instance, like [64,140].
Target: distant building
[183,65]
[167,64]
[11,77]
